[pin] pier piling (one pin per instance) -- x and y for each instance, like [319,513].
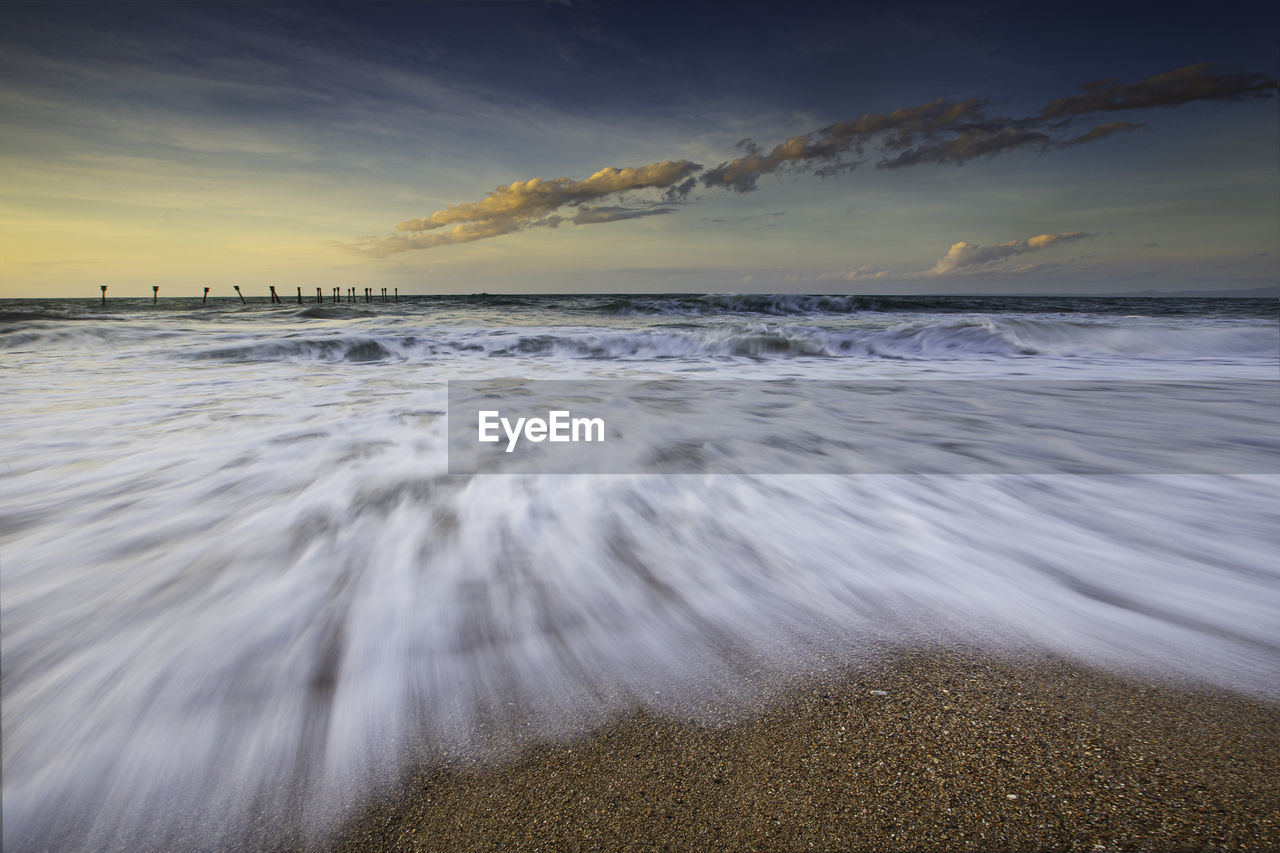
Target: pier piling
[205,298]
[274,297]
[155,293]
[238,293]
[397,294]
[300,294]
[104,295]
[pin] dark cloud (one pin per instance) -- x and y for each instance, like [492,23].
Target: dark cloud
[827,145]
[593,215]
[957,132]
[680,191]
[1102,131]
[972,144]
[1170,89]
[968,145]
[904,124]
[740,175]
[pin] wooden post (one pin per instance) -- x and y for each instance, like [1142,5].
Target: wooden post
[300,294]
[319,296]
[238,293]
[206,296]
[274,298]
[104,296]
[397,294]
[155,293]
[337,295]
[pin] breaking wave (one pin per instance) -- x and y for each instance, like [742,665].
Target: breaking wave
[957,338]
[789,305]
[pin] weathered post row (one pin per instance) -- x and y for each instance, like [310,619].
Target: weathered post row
[273,296]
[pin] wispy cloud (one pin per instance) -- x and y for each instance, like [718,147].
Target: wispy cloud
[593,215]
[938,132]
[1102,131]
[968,145]
[823,148]
[861,273]
[523,200]
[531,204]
[971,144]
[1170,89]
[962,258]
[971,257]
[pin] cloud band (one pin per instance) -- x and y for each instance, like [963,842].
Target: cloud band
[938,132]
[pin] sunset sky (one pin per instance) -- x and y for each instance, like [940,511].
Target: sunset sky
[583,146]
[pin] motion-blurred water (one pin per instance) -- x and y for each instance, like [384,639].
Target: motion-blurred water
[237,580]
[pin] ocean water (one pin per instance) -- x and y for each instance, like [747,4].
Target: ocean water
[238,583]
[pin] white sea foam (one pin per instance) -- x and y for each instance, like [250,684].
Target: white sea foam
[237,578]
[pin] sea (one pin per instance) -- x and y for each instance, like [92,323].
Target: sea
[241,585]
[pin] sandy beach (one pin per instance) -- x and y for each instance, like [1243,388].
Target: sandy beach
[932,750]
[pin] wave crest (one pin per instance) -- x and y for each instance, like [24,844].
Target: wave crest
[947,339]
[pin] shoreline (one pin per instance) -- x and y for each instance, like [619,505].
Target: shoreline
[956,751]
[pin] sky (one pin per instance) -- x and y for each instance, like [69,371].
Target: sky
[449,147]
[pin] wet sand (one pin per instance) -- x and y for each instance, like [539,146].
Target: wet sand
[931,750]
